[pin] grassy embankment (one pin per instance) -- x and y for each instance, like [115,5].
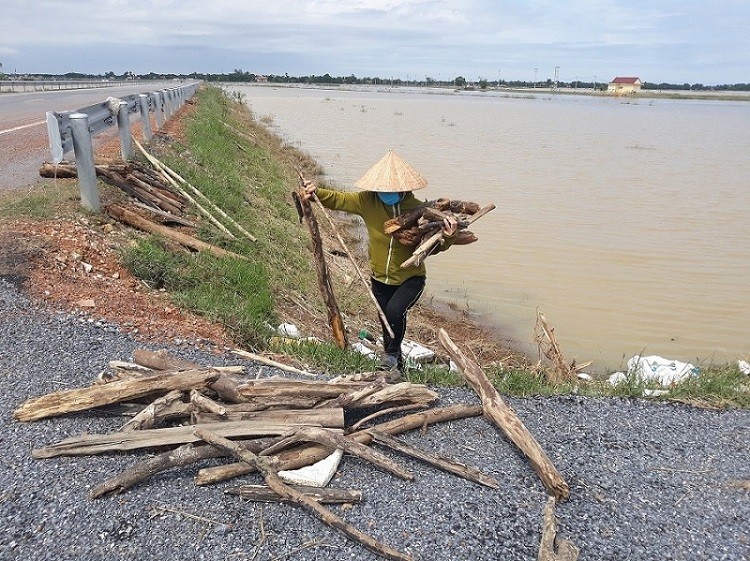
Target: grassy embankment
[251,175]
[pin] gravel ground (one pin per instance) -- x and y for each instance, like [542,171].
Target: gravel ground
[648,480]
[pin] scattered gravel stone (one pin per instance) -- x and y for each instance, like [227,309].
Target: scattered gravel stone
[648,480]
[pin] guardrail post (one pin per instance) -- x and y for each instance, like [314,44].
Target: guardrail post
[123,126]
[158,110]
[143,102]
[84,151]
[170,103]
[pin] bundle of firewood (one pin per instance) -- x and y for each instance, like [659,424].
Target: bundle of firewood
[141,182]
[422,226]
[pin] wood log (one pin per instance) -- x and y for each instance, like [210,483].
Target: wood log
[304,456]
[81,399]
[465,237]
[441,462]
[164,203]
[133,219]
[161,360]
[207,405]
[323,495]
[150,416]
[90,444]
[331,418]
[163,187]
[423,250]
[165,216]
[410,217]
[324,279]
[498,412]
[333,440]
[565,550]
[282,489]
[65,170]
[182,456]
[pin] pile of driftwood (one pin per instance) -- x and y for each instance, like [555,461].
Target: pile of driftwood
[422,226]
[272,424]
[162,201]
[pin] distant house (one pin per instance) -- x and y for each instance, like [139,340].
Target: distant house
[624,85]
[261,78]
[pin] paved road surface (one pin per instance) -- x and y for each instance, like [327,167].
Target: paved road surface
[23,133]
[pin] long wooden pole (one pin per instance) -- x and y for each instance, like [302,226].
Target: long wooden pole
[324,279]
[497,411]
[368,288]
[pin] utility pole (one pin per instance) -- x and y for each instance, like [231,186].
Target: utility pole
[535,71]
[557,70]
[498,79]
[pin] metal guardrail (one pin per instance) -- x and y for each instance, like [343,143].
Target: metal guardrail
[49,85]
[73,130]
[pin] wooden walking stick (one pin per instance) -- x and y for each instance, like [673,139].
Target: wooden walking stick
[349,254]
[324,279]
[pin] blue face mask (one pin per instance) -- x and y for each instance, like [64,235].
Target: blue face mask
[390,198]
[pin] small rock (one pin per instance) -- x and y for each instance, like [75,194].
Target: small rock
[87,303]
[108,228]
[87,267]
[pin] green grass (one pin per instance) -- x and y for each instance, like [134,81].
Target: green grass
[44,202]
[230,291]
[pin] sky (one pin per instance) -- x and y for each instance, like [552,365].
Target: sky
[671,41]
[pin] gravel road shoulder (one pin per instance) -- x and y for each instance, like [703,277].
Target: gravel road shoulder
[648,481]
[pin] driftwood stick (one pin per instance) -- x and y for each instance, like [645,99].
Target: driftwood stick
[179,457]
[299,457]
[323,495]
[203,211]
[421,252]
[137,221]
[389,411]
[89,444]
[321,269]
[282,489]
[333,440]
[81,399]
[161,360]
[206,404]
[149,416]
[368,288]
[498,412]
[167,217]
[566,550]
[269,362]
[440,462]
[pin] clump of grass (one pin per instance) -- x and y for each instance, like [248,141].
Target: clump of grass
[716,387]
[44,201]
[326,356]
[230,291]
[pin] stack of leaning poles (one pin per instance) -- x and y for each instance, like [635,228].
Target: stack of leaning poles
[422,227]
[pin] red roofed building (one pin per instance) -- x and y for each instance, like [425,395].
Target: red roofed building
[624,85]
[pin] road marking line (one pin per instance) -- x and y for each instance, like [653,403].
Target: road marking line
[23,127]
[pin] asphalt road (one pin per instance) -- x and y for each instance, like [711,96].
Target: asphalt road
[23,133]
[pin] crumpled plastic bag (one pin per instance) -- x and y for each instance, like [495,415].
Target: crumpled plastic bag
[744,367]
[655,368]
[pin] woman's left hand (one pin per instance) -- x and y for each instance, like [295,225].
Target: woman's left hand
[450,226]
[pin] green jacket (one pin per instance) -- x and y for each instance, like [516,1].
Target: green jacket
[386,253]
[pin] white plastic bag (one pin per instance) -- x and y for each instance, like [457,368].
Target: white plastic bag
[655,368]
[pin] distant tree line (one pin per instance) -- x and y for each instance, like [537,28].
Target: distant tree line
[238,75]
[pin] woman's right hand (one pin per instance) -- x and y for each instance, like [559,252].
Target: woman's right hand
[308,189]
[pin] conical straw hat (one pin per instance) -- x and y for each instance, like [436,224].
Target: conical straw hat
[391,175]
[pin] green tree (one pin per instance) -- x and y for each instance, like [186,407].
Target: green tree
[459,81]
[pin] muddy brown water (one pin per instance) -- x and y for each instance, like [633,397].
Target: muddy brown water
[626,222]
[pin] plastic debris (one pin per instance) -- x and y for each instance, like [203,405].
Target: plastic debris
[289,330]
[364,350]
[744,367]
[415,354]
[655,368]
[318,474]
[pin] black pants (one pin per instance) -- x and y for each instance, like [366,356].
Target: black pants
[395,300]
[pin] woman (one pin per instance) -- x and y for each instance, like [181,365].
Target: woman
[386,192]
